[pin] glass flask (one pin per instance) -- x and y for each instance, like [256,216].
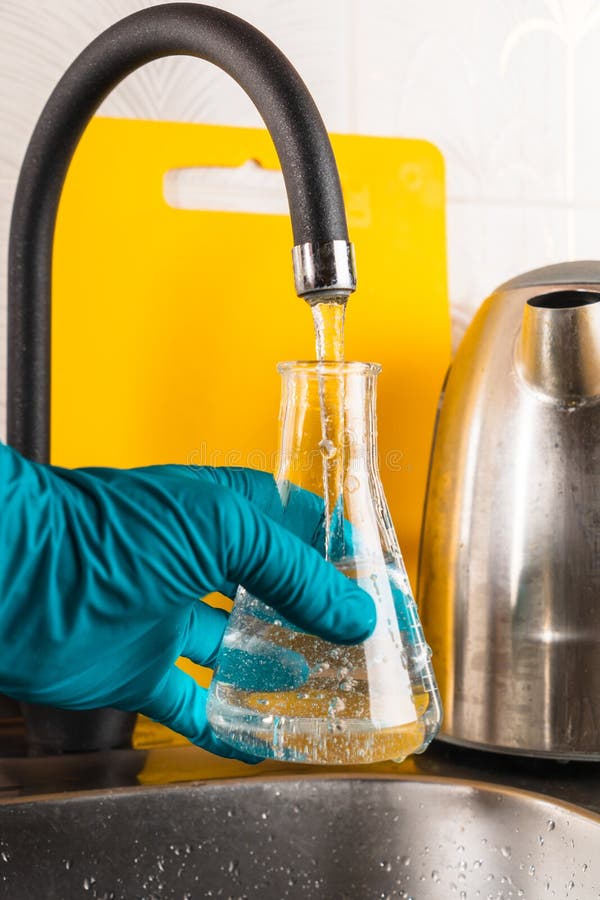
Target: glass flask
[282,693]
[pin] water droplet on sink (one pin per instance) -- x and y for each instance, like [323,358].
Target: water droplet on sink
[4,856]
[550,825]
[435,876]
[531,870]
[506,852]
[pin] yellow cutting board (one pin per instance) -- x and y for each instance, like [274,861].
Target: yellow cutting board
[167,323]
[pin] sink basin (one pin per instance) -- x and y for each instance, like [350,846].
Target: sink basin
[323,837]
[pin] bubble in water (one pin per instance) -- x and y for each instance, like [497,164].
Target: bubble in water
[352,483]
[336,704]
[4,856]
[327,448]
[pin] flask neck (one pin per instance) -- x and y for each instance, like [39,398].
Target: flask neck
[327,413]
[328,446]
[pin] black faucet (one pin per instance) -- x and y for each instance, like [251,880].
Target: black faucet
[322,255]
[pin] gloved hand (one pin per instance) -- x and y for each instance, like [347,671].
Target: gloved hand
[101,571]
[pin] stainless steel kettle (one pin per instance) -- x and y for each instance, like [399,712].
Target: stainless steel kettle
[509,574]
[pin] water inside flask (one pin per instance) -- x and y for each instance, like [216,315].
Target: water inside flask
[278,691]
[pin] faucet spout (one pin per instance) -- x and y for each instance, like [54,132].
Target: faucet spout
[323,259]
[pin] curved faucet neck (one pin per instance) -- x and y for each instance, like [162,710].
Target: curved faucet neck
[323,257]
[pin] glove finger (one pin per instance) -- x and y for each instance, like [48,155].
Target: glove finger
[180,704]
[300,511]
[292,577]
[258,487]
[204,633]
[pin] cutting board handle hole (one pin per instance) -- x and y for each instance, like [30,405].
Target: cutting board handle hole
[247,188]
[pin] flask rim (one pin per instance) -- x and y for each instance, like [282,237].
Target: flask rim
[329,367]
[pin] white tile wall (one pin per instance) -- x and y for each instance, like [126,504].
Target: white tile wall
[507,90]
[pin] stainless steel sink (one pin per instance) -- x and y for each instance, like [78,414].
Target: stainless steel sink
[324,837]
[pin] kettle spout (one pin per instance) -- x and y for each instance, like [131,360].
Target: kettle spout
[558,351]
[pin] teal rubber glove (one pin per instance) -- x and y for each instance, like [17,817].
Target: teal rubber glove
[101,571]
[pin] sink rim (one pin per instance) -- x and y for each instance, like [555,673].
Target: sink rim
[513,792]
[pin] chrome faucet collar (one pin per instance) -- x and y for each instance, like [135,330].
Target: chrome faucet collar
[324,270]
